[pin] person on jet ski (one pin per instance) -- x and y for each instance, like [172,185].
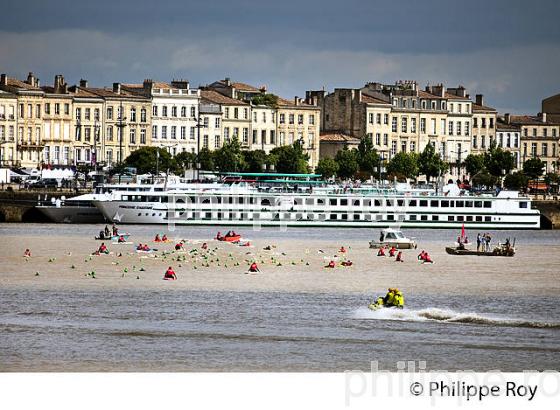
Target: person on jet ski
[389,298]
[398,299]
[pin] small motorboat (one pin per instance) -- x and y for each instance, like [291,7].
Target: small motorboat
[393,237]
[503,249]
[500,250]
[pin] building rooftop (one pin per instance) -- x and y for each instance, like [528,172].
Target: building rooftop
[81,92]
[238,86]
[283,102]
[5,94]
[455,97]
[502,125]
[217,98]
[372,100]
[15,85]
[482,108]
[109,93]
[530,120]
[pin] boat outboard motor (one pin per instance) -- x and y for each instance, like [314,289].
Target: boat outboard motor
[102,234]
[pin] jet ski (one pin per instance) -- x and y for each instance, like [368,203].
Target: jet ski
[377,306]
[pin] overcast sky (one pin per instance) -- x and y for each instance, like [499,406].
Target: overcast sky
[508,50]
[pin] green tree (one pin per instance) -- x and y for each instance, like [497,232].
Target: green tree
[497,161]
[290,159]
[205,159]
[368,159]
[145,160]
[229,158]
[254,160]
[404,165]
[185,160]
[474,164]
[484,178]
[347,161]
[516,181]
[327,167]
[269,100]
[430,163]
[533,168]
[552,178]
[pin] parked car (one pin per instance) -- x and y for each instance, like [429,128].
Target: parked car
[45,183]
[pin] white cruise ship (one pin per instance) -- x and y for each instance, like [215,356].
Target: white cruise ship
[80,209]
[310,203]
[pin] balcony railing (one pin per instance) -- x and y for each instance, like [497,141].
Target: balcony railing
[31,144]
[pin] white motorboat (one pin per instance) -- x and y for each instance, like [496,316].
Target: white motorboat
[393,237]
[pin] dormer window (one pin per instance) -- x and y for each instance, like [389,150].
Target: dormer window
[433,105]
[443,105]
[423,104]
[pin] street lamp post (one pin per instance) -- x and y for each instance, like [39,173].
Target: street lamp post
[121,126]
[458,162]
[94,157]
[198,121]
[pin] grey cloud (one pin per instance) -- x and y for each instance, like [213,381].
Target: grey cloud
[514,78]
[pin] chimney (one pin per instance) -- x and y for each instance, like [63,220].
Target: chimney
[182,84]
[296,100]
[3,79]
[117,88]
[543,116]
[227,81]
[439,90]
[507,118]
[479,99]
[59,84]
[31,79]
[148,86]
[83,83]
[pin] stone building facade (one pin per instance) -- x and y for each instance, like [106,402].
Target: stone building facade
[8,125]
[58,124]
[551,106]
[29,118]
[484,125]
[235,120]
[508,137]
[402,118]
[88,127]
[299,121]
[127,125]
[539,139]
[174,113]
[281,124]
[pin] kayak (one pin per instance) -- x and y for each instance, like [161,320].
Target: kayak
[148,251]
[235,238]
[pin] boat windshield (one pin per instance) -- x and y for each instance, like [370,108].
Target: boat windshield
[397,235]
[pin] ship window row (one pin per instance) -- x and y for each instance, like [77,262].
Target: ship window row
[422,203]
[330,217]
